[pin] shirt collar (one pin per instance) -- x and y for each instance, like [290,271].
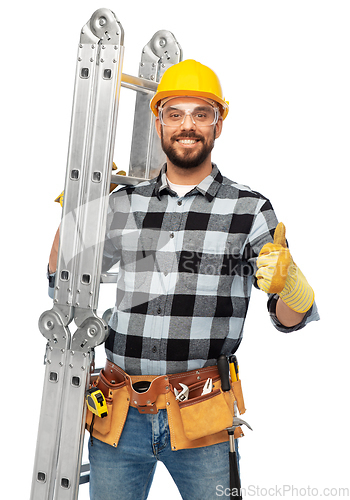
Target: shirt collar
[208,187]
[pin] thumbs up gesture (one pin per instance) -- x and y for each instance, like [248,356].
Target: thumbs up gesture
[278,273]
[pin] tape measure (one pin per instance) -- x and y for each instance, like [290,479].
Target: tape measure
[96,402]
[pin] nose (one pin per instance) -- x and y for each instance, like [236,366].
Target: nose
[188,122]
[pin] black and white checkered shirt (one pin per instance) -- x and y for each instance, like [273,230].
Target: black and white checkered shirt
[187,266]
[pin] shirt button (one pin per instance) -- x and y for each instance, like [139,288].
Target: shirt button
[179,203]
[172,235]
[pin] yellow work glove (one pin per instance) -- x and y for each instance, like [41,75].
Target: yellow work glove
[59,198]
[278,273]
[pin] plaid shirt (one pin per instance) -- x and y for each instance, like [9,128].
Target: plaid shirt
[186,269]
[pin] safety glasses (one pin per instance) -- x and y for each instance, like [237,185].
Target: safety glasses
[202,115]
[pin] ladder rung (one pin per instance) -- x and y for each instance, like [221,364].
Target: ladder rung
[139,84]
[84,473]
[126,180]
[85,467]
[108,278]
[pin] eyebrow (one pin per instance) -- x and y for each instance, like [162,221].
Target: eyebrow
[198,108]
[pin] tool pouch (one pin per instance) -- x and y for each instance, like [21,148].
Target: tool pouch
[208,414]
[117,397]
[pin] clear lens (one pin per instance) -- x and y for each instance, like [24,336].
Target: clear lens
[201,115]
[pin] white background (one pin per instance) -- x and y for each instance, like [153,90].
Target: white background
[284,67]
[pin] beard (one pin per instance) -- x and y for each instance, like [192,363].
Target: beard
[187,159]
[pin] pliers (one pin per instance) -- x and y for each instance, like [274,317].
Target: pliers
[208,387]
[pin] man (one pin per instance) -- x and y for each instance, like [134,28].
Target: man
[188,245]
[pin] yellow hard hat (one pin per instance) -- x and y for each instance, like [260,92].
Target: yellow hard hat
[190,78]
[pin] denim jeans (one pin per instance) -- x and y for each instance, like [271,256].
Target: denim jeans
[126,472]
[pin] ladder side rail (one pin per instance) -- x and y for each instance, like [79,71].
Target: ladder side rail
[162,51]
[73,426]
[45,462]
[71,242]
[147,156]
[99,173]
[52,324]
[93,210]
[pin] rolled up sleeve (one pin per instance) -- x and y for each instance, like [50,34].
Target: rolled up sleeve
[311,315]
[51,277]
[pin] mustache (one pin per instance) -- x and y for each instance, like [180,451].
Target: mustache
[187,135]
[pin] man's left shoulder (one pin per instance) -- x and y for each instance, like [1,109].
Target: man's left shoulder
[234,190]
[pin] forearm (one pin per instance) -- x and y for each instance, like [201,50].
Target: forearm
[286,315]
[54,253]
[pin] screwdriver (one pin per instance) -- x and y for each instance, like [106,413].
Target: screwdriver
[234,368]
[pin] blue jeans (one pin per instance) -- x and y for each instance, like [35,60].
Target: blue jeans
[126,472]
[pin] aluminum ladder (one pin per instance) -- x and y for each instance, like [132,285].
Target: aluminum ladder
[69,356]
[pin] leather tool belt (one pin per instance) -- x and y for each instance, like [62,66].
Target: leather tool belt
[196,422]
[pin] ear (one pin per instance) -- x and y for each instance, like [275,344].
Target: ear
[158,126]
[218,127]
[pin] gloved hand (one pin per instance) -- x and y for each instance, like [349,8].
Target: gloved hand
[121,172]
[278,273]
[59,198]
